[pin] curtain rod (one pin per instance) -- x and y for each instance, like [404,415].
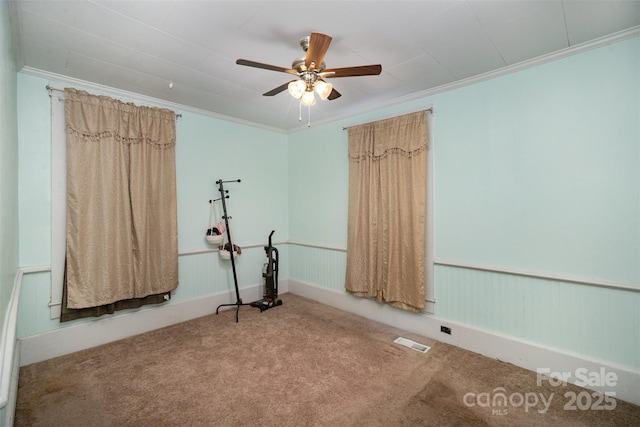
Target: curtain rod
[54,89]
[429,109]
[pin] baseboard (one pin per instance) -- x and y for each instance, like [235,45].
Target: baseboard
[528,355]
[65,340]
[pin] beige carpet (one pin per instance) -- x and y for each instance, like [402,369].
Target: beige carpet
[301,364]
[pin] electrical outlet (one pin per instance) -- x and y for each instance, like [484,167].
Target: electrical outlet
[445,329]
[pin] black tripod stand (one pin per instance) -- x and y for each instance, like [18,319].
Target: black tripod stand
[226,217]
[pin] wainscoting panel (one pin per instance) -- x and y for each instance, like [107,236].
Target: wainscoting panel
[207,273]
[599,322]
[33,306]
[322,267]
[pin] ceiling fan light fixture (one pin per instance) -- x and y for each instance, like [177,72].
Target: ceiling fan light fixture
[323,89]
[308,98]
[297,88]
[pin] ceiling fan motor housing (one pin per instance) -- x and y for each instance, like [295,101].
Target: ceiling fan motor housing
[299,65]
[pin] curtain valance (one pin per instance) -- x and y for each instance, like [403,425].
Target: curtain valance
[405,135]
[126,123]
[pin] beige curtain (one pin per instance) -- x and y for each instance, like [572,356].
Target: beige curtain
[121,201]
[386,229]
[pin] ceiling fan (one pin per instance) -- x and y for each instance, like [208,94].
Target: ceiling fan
[311,71]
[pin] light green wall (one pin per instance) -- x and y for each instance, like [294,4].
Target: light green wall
[318,183]
[211,149]
[536,170]
[8,163]
[34,125]
[540,169]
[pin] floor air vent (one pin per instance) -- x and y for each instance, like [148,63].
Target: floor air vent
[412,344]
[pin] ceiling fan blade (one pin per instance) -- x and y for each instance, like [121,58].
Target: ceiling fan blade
[334,94]
[277,90]
[362,70]
[318,46]
[265,66]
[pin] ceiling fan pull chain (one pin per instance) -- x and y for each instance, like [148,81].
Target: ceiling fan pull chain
[299,111]
[309,116]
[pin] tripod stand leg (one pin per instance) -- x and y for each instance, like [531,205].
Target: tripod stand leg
[237,306]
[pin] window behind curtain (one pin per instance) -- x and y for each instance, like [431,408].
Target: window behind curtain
[121,228]
[387,211]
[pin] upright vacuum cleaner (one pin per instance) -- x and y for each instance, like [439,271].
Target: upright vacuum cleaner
[269,280]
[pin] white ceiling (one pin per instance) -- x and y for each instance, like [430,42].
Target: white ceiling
[142,46]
